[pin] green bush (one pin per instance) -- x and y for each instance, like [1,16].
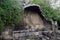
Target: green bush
[10,12]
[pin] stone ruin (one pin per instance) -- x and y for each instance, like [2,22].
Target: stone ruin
[33,20]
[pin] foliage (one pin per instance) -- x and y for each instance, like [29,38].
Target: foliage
[46,8]
[10,11]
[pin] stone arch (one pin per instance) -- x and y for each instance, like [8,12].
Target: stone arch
[34,9]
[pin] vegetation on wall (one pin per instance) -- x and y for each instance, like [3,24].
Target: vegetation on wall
[10,12]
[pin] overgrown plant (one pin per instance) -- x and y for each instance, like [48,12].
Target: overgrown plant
[10,13]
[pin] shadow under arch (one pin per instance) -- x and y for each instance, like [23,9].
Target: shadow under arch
[35,8]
